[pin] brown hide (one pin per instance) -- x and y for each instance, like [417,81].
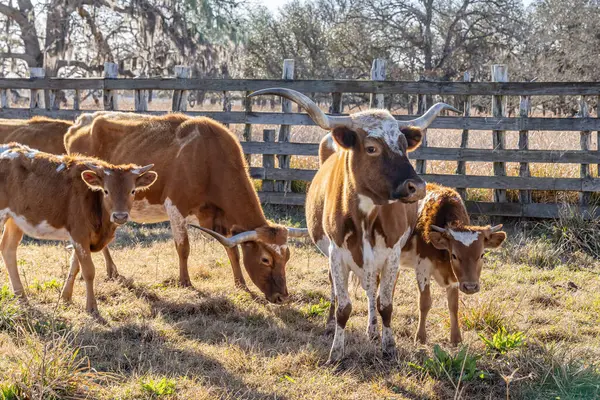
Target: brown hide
[63,198]
[202,173]
[43,134]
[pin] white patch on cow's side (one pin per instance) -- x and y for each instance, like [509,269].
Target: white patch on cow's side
[466,238]
[60,167]
[43,230]
[178,224]
[144,212]
[430,196]
[323,245]
[365,204]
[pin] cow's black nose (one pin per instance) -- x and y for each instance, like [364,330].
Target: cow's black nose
[120,217]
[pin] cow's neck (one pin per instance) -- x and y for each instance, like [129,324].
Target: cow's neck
[242,208]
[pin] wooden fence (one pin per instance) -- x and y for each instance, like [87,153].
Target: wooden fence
[276,187]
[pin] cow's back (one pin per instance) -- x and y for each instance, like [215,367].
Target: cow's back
[43,134]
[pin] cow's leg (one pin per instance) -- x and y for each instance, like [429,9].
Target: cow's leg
[452,296]
[234,258]
[10,241]
[88,270]
[424,307]
[371,289]
[339,274]
[67,292]
[385,301]
[330,326]
[111,267]
[182,242]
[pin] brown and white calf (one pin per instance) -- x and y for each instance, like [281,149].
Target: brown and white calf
[448,248]
[203,179]
[40,133]
[361,205]
[80,199]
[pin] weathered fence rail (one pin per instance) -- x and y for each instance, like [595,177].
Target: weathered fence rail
[276,180]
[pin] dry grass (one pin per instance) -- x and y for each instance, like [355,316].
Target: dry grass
[215,341]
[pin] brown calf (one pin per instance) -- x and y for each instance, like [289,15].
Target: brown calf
[80,199]
[361,206]
[445,246]
[40,133]
[203,179]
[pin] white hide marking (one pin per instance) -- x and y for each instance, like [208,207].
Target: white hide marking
[466,238]
[365,204]
[144,212]
[323,245]
[43,230]
[380,124]
[178,224]
[279,249]
[339,275]
[60,167]
[424,268]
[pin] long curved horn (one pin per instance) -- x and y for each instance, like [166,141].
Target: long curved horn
[496,228]
[233,241]
[317,115]
[438,229]
[297,232]
[426,119]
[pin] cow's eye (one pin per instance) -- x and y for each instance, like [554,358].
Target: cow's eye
[105,192]
[371,150]
[482,254]
[454,257]
[133,191]
[264,260]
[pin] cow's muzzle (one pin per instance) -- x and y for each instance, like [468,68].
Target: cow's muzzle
[410,190]
[119,217]
[277,298]
[469,287]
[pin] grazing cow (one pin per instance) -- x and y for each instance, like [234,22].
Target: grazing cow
[40,133]
[448,248]
[203,179]
[361,205]
[80,199]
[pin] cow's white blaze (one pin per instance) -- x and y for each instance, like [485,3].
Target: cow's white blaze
[380,124]
[466,238]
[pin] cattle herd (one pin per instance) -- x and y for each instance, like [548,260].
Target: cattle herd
[367,209]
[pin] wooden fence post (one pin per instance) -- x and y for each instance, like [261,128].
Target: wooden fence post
[337,105]
[285,130]
[248,127]
[141,98]
[378,74]
[268,160]
[499,74]
[461,166]
[35,97]
[226,96]
[585,140]
[421,165]
[4,97]
[524,109]
[110,97]
[76,100]
[179,101]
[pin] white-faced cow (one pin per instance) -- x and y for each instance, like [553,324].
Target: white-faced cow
[40,133]
[203,179]
[446,247]
[80,199]
[361,206]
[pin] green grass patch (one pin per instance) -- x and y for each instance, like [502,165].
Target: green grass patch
[47,285]
[158,387]
[459,367]
[317,310]
[502,341]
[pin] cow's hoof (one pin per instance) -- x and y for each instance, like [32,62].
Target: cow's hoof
[97,317]
[185,283]
[421,339]
[390,352]
[335,356]
[373,333]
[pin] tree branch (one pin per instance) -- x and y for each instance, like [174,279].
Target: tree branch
[29,59]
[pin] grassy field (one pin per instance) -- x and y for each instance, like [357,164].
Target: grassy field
[539,311]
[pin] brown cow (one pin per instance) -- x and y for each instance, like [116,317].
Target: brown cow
[203,179]
[40,133]
[448,248]
[361,205]
[81,199]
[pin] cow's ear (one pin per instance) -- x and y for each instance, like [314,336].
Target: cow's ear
[439,241]
[413,136]
[344,137]
[92,179]
[146,180]
[494,240]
